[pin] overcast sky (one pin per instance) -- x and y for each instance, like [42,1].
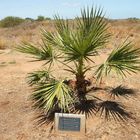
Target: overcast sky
[68,8]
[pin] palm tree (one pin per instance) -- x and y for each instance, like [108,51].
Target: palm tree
[74,44]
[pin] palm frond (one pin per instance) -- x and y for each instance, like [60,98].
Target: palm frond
[48,95]
[52,39]
[26,47]
[92,30]
[81,39]
[40,76]
[123,60]
[45,52]
[61,25]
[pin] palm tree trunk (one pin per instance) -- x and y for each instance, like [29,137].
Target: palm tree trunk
[80,81]
[80,85]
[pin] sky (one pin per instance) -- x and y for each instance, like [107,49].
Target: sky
[115,9]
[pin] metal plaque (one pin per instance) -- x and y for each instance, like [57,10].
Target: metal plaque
[69,124]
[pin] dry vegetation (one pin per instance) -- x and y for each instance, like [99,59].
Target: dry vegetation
[16,115]
[29,31]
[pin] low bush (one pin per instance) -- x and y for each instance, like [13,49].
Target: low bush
[40,18]
[11,21]
[133,19]
[47,18]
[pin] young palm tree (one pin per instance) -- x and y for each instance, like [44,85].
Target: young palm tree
[74,44]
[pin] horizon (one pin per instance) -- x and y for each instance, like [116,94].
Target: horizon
[68,9]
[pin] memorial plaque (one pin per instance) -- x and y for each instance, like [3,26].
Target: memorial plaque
[69,123]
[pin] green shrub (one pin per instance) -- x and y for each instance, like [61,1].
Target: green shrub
[48,18]
[11,21]
[29,19]
[40,18]
[134,19]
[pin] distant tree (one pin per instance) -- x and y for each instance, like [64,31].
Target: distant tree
[40,18]
[134,19]
[48,18]
[29,19]
[11,21]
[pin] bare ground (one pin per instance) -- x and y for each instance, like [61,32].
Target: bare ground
[16,114]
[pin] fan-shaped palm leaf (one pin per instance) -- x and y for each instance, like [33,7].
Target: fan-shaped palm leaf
[45,52]
[40,76]
[48,95]
[87,35]
[124,59]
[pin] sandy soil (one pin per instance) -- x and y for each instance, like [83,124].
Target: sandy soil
[16,115]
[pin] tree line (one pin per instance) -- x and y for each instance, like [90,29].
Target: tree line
[11,21]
